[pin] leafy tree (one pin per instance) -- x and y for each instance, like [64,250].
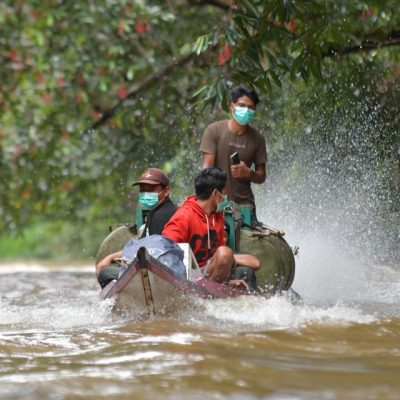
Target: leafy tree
[91,93]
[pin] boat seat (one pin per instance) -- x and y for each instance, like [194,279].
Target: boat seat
[193,270]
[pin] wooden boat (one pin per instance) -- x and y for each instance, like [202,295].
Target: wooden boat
[147,287]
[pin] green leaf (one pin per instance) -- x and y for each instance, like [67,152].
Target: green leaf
[130,73]
[199,45]
[250,8]
[304,73]
[199,91]
[338,36]
[275,77]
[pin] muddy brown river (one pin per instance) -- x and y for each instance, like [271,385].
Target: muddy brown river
[58,341]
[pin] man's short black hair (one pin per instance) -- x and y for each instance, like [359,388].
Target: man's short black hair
[208,180]
[240,91]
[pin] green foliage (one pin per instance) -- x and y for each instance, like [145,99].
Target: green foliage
[266,41]
[56,240]
[64,65]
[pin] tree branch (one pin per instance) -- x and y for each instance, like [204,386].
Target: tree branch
[144,84]
[368,44]
[223,5]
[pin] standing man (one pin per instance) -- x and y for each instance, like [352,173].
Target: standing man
[223,138]
[199,223]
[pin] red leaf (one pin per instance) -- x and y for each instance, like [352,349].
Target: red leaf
[142,26]
[122,92]
[139,27]
[227,51]
[26,194]
[367,13]
[291,25]
[65,185]
[12,55]
[225,54]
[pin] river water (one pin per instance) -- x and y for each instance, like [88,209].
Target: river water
[58,341]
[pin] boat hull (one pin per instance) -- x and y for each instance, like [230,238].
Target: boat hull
[147,287]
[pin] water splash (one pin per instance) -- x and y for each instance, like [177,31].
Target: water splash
[279,312]
[331,189]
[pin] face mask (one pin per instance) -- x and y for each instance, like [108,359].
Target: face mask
[148,200]
[224,202]
[243,115]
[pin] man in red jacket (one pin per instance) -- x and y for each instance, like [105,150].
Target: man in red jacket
[199,223]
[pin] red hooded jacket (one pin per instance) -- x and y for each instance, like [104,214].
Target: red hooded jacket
[190,224]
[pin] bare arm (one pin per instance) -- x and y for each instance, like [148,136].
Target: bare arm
[208,160]
[248,260]
[256,175]
[106,261]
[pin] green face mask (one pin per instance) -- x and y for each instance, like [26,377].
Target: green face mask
[148,200]
[243,115]
[225,202]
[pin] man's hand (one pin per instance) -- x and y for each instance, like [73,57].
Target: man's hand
[256,175]
[241,170]
[238,283]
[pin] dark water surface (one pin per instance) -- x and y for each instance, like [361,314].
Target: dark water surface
[58,341]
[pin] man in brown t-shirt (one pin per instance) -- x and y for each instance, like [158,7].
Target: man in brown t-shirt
[222,138]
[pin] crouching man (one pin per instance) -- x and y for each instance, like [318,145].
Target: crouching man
[199,223]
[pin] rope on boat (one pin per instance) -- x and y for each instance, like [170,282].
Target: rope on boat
[262,230]
[124,262]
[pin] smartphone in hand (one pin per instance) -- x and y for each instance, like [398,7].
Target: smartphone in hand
[235,159]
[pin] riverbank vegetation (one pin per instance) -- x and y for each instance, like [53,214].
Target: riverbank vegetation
[92,93]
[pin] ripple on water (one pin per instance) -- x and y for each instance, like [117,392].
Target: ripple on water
[57,340]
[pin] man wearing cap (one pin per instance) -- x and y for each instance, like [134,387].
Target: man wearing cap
[154,196]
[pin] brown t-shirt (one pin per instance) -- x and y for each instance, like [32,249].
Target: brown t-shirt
[221,142]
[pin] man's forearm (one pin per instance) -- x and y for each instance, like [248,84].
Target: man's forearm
[257,176]
[208,160]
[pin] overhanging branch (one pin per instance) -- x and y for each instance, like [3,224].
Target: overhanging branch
[144,84]
[368,44]
[224,5]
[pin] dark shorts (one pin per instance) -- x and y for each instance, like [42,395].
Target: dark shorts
[245,273]
[107,274]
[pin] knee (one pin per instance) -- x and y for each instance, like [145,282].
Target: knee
[224,255]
